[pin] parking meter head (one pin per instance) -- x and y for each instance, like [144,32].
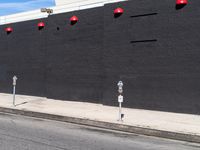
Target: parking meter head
[14,80]
[120,85]
[120,91]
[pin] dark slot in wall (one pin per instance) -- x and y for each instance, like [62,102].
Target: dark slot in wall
[153,48]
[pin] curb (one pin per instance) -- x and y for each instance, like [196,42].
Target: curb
[106,125]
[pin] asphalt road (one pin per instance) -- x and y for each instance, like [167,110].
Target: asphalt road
[26,133]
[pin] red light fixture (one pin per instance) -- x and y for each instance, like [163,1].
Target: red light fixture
[118,12]
[41,25]
[73,20]
[8,29]
[181,2]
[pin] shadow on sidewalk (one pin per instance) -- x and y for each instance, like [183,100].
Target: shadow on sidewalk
[21,103]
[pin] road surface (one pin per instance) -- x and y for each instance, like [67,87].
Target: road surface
[26,133]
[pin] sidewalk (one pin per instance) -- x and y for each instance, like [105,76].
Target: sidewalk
[163,124]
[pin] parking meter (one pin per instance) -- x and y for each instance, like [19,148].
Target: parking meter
[120,99]
[120,87]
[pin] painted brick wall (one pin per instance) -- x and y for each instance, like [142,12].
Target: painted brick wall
[74,61]
[153,48]
[23,54]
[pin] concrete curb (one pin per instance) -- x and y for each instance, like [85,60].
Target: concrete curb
[106,125]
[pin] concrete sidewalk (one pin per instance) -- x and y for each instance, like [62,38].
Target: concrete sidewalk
[155,123]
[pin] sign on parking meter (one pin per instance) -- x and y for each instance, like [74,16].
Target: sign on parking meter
[120,99]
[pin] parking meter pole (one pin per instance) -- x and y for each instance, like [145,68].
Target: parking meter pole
[120,111]
[14,86]
[14,95]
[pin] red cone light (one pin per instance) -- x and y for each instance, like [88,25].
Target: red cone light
[41,25]
[74,19]
[118,11]
[181,2]
[8,29]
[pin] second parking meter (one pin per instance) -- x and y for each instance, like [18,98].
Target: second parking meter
[120,99]
[120,87]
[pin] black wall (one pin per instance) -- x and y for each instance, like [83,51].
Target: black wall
[153,48]
[22,53]
[74,62]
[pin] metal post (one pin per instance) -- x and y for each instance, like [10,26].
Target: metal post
[14,95]
[120,111]
[14,87]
